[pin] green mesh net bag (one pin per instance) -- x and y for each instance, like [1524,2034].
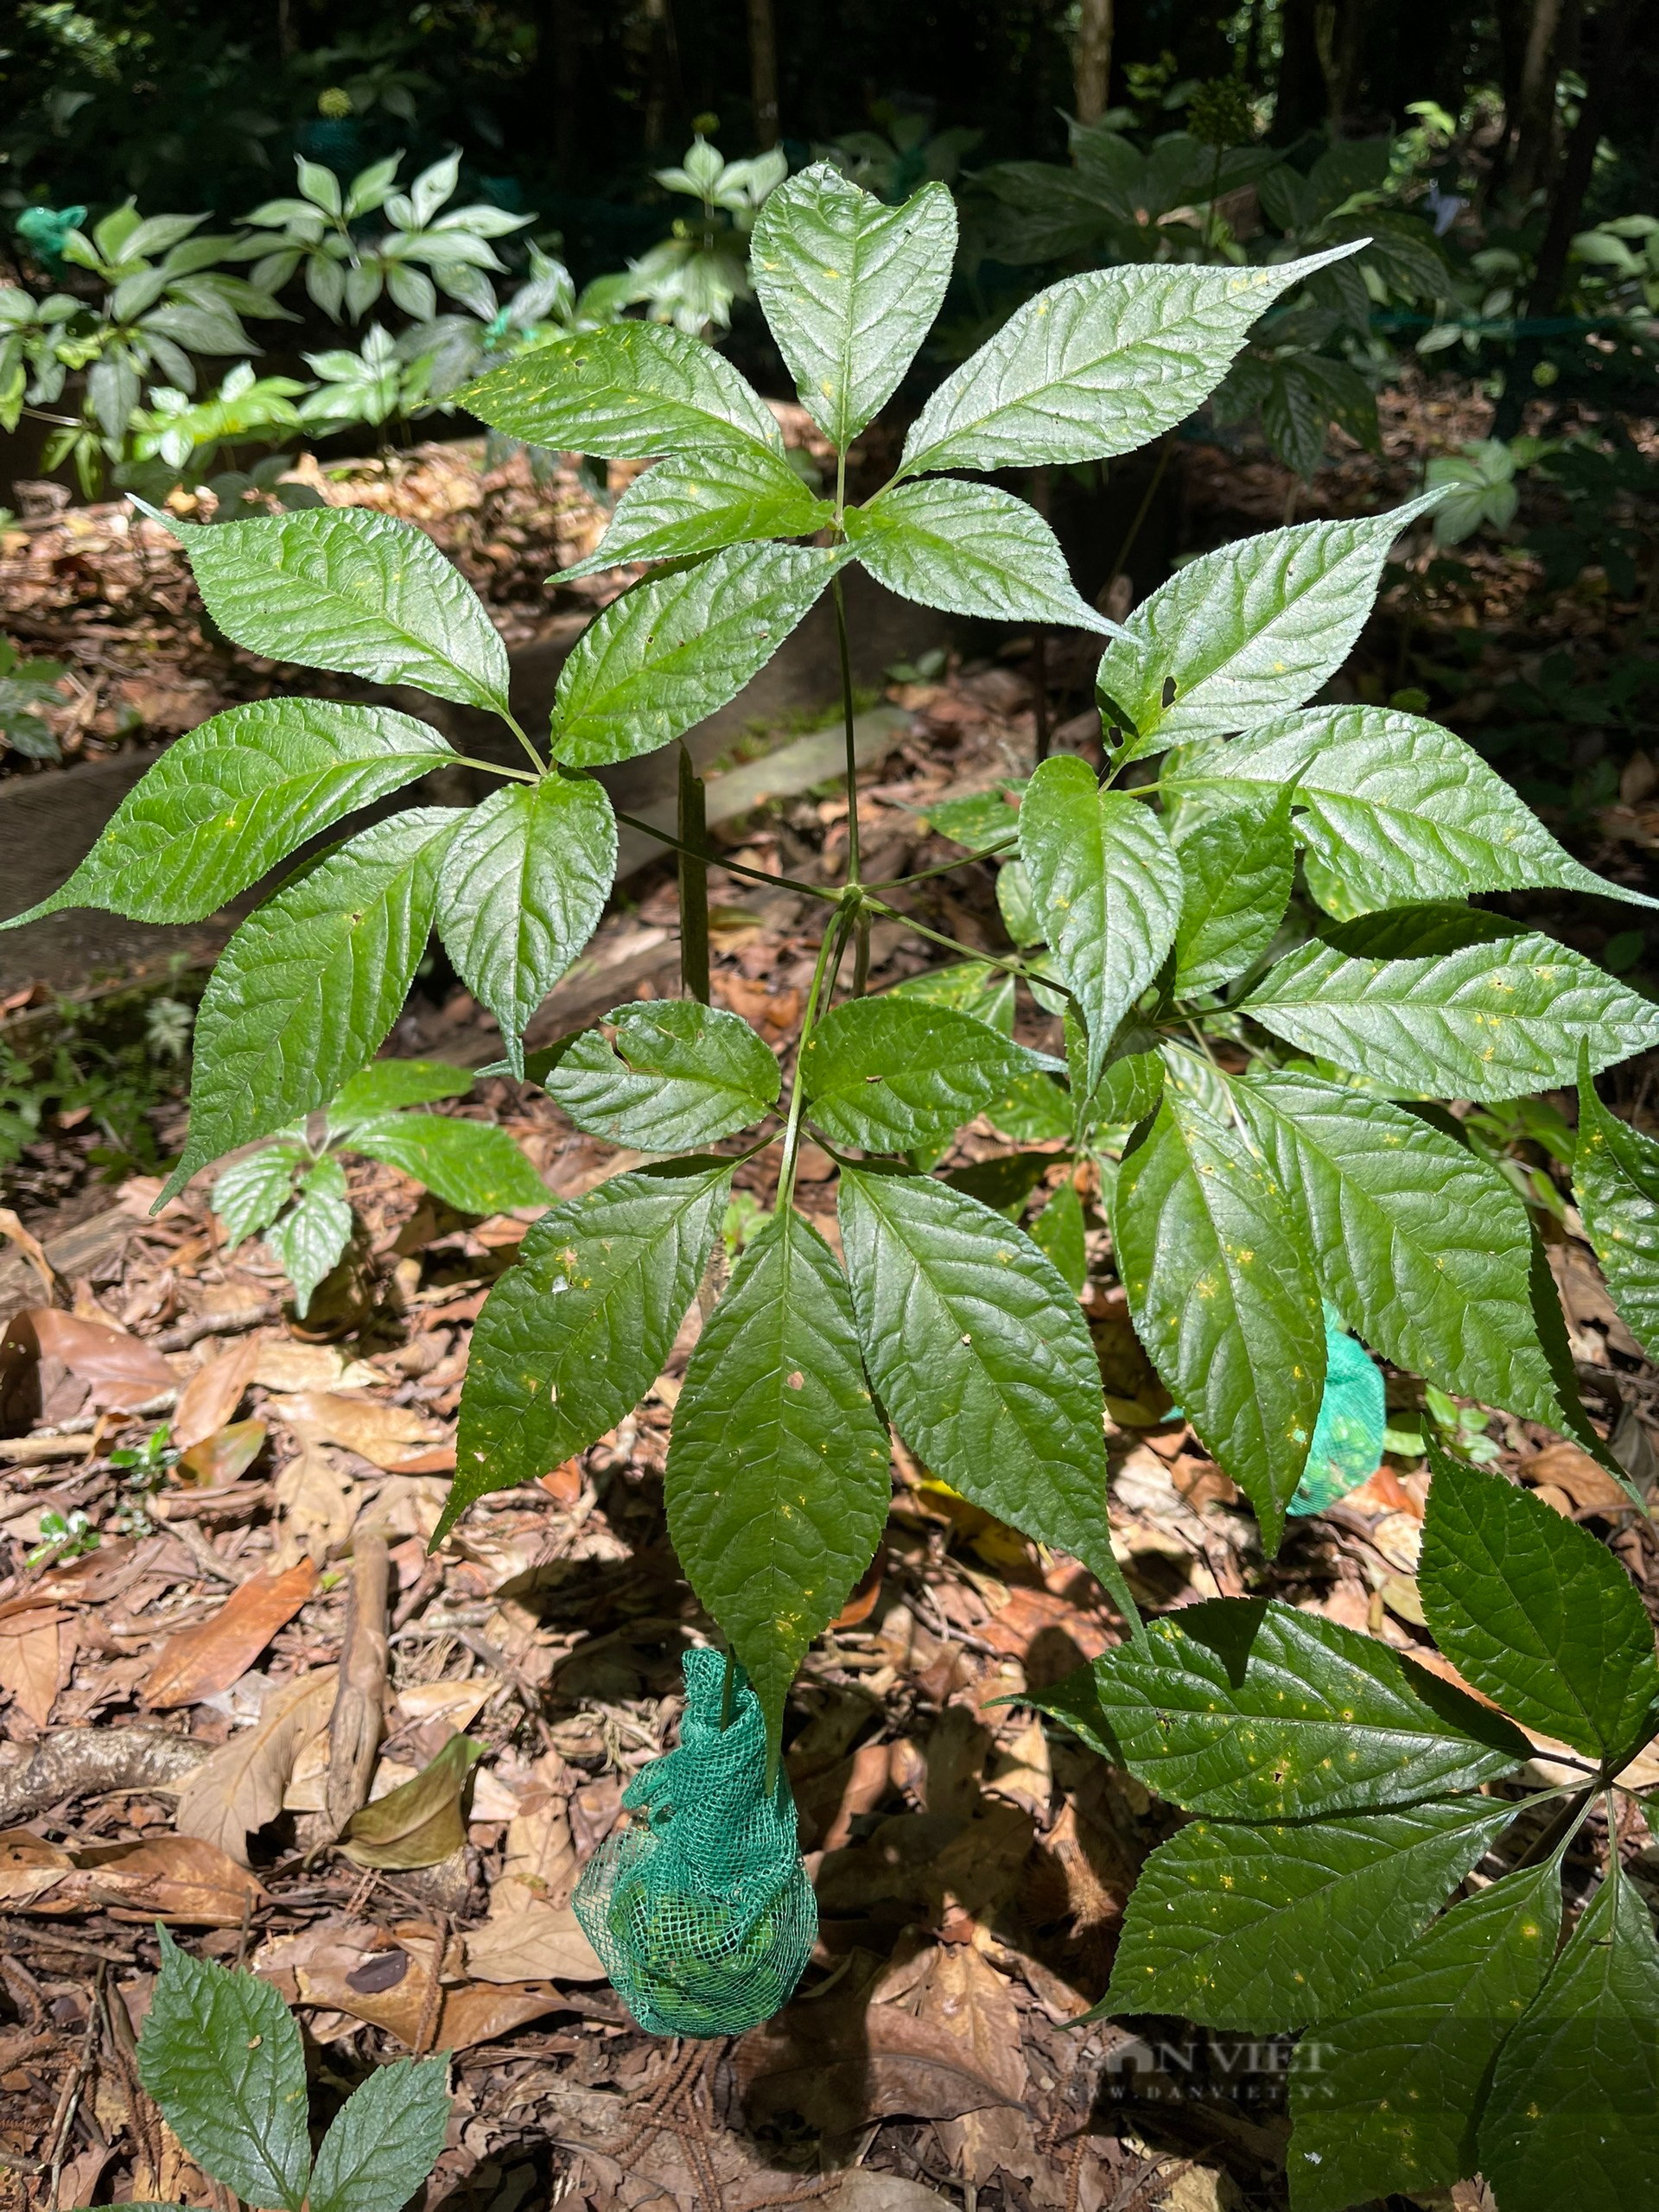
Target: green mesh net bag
[1347,1447]
[703,1915]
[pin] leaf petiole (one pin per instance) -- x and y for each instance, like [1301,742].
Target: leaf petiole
[830,948]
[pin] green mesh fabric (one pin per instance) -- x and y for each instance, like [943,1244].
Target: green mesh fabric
[1347,1447]
[702,1914]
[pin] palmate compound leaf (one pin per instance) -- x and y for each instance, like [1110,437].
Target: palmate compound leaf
[1489,1021]
[523,885]
[1237,867]
[1387,2100]
[980,1354]
[1421,1246]
[689,504]
[1096,364]
[849,289]
[1270,1928]
[1616,1181]
[306,1242]
[892,1074]
[1254,1710]
[576,1333]
[969,550]
[1536,1613]
[345,588]
[1393,809]
[220,2054]
[1224,1297]
[1247,631]
[470,1164]
[675,1075]
[778,1479]
[235,795]
[385,2140]
[1108,889]
[678,645]
[1573,2115]
[630,391]
[309,985]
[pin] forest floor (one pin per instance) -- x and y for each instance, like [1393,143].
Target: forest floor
[169,1685]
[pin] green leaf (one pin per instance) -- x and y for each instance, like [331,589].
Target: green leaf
[677,1075]
[1421,1246]
[968,986]
[689,504]
[1034,1109]
[471,1165]
[1266,1929]
[385,1085]
[1074,1701]
[1536,1613]
[894,1075]
[250,1193]
[306,1241]
[1254,1711]
[235,795]
[968,550]
[979,1352]
[1489,1021]
[849,288]
[1248,631]
[1238,868]
[1108,888]
[1616,1182]
[1385,2103]
[523,885]
[778,1477]
[1225,1299]
[981,819]
[220,2054]
[678,645]
[421,1823]
[311,982]
[385,2140]
[576,1333]
[630,391]
[1573,2117]
[1058,1232]
[1015,904]
[1128,1090]
[1096,364]
[345,588]
[1394,810]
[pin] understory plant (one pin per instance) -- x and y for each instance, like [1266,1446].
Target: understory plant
[1255,917]
[292,1191]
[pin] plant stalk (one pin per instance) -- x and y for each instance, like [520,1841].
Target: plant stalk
[694,882]
[831,947]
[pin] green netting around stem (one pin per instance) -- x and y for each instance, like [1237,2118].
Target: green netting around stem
[1347,1447]
[701,1912]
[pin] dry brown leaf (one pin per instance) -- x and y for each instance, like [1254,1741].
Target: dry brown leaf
[212,1396]
[968,2002]
[540,1943]
[281,1364]
[122,1371]
[421,1821]
[222,1458]
[539,1864]
[315,1506]
[390,1437]
[386,1978]
[31,1663]
[1591,1488]
[32,1249]
[28,1865]
[209,1655]
[1024,1774]
[240,1786]
[176,1877]
[828,1804]
[459,1703]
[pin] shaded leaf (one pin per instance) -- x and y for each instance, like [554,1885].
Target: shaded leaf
[1057,1230]
[306,1241]
[385,2140]
[473,1165]
[677,1075]
[421,1822]
[692,503]
[893,1073]
[1238,868]
[385,1085]
[1616,1182]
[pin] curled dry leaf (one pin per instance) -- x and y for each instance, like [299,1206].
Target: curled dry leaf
[384,1977]
[32,1249]
[315,1506]
[122,1371]
[212,1396]
[34,1661]
[539,1943]
[224,1457]
[389,1436]
[209,1655]
[239,1786]
[420,1823]
[173,1878]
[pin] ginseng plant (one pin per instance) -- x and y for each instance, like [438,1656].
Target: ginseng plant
[1255,921]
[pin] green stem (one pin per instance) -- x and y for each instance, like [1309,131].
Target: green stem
[955,944]
[537,761]
[493,768]
[852,742]
[732,868]
[833,940]
[1140,514]
[694,883]
[946,867]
